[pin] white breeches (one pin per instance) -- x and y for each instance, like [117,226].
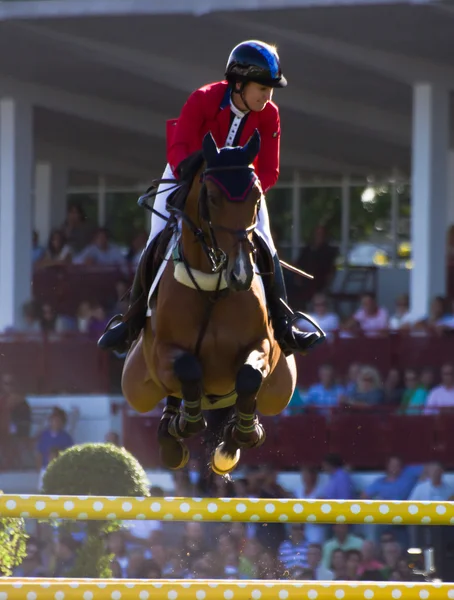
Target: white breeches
[164,190]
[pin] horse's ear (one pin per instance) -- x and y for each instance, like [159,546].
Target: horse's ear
[209,147]
[252,147]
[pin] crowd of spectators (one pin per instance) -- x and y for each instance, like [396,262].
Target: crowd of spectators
[154,549]
[412,392]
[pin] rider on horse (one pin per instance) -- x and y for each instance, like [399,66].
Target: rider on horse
[231,110]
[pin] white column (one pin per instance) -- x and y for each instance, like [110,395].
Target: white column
[429,192]
[51,181]
[16,164]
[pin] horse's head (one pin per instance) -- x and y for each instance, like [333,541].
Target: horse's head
[229,206]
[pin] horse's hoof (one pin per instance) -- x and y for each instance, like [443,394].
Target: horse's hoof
[180,428]
[223,463]
[252,439]
[174,454]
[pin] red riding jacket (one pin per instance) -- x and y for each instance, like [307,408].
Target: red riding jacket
[208,109]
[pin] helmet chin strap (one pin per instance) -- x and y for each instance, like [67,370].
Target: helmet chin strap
[241,93]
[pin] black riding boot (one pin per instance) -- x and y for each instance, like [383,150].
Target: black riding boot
[118,337]
[289,337]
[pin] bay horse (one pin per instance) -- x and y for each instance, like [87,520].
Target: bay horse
[208,342]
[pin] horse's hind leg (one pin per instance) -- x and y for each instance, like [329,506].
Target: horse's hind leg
[173,452]
[244,430]
[190,420]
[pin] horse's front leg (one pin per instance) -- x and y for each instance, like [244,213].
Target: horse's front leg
[190,420]
[245,429]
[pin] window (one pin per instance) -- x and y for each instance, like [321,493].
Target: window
[124,218]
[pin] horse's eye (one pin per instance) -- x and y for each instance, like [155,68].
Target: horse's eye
[214,200]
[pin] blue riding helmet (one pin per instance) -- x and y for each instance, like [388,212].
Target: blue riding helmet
[255,61]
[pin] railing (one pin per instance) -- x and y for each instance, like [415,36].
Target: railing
[72,363]
[55,364]
[66,286]
[365,440]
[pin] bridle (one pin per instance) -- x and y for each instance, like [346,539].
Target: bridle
[217,258]
[215,255]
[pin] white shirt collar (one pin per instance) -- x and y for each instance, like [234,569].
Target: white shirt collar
[236,111]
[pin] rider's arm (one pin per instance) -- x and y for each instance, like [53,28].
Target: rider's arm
[187,129]
[268,159]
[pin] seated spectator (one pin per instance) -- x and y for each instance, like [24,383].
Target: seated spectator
[248,561]
[392,553]
[434,488]
[121,302]
[326,319]
[325,394]
[447,324]
[372,318]
[57,252]
[428,378]
[393,389]
[311,489]
[30,318]
[55,437]
[293,550]
[50,321]
[338,565]
[368,393]
[37,249]
[98,320]
[339,485]
[135,563]
[314,561]
[369,563]
[138,245]
[396,484]
[272,534]
[269,567]
[352,562]
[149,569]
[66,553]
[32,564]
[401,319]
[116,545]
[351,383]
[83,317]
[442,396]
[76,229]
[349,328]
[341,540]
[101,252]
[433,323]
[414,396]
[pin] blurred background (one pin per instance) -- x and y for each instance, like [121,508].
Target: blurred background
[365,202]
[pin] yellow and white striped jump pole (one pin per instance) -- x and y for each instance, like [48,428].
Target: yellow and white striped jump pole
[178,589]
[227,509]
